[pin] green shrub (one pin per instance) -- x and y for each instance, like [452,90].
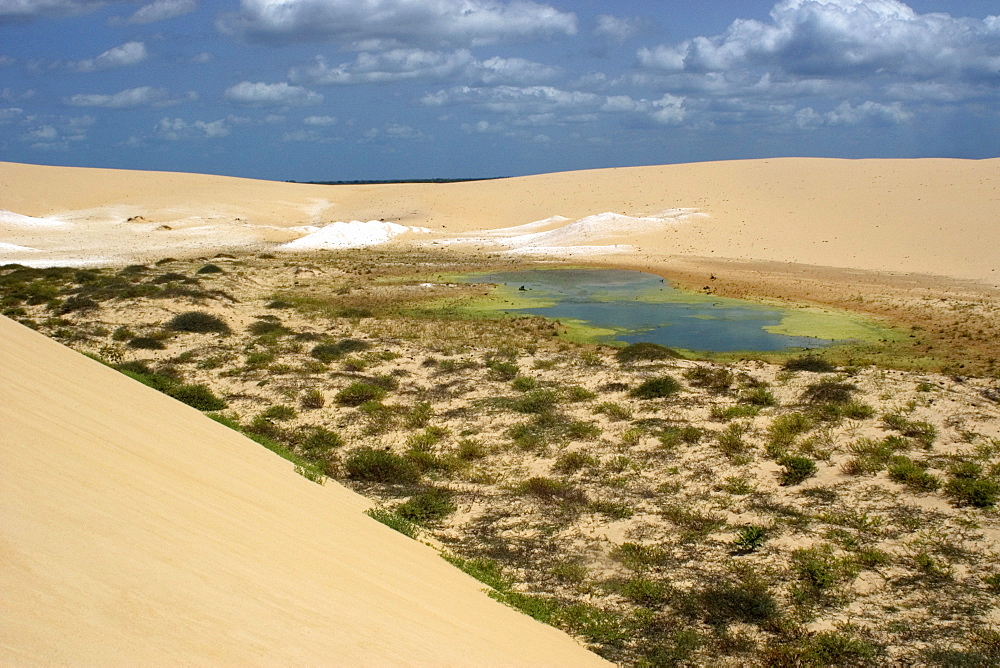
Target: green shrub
[785,428]
[743,598]
[657,388]
[197,396]
[198,322]
[726,413]
[77,303]
[813,363]
[922,432]
[330,351]
[750,538]
[906,471]
[829,392]
[551,491]
[638,352]
[524,383]
[428,507]
[358,393]
[535,401]
[571,462]
[645,592]
[146,343]
[796,469]
[637,557]
[312,399]
[210,269]
[615,411]
[672,436]
[380,466]
[758,396]
[279,412]
[502,370]
[267,328]
[718,380]
[977,492]
[819,572]
[487,571]
[317,441]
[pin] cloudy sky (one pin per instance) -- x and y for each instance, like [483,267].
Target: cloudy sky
[383,89]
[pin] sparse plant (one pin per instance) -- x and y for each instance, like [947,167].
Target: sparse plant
[829,392]
[727,413]
[714,379]
[552,491]
[614,410]
[210,269]
[796,469]
[645,352]
[198,322]
[146,343]
[380,466]
[904,470]
[750,538]
[657,388]
[197,396]
[394,521]
[279,412]
[811,362]
[312,399]
[330,351]
[524,383]
[358,393]
[502,370]
[428,507]
[758,396]
[571,462]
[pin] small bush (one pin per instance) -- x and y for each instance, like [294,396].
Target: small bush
[502,370]
[829,392]
[318,441]
[328,352]
[750,538]
[672,436]
[922,432]
[571,462]
[726,413]
[718,380]
[977,492]
[639,352]
[197,396]
[146,343]
[758,396]
[657,388]
[819,572]
[198,322]
[744,598]
[267,328]
[524,383]
[551,491]
[428,507]
[210,269]
[813,363]
[614,411]
[535,401]
[358,393]
[380,466]
[312,399]
[796,469]
[279,412]
[906,471]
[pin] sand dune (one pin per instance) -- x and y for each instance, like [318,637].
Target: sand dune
[934,216]
[136,531]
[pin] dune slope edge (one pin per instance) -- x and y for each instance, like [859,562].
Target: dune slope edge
[135,531]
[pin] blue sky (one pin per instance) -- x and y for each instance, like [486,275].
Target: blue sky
[384,89]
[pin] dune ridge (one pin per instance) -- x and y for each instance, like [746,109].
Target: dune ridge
[928,216]
[138,531]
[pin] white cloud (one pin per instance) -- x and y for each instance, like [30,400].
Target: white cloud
[265,94]
[835,38]
[389,23]
[176,129]
[9,114]
[57,133]
[393,131]
[866,113]
[617,29]
[544,105]
[161,10]
[142,96]
[27,10]
[319,120]
[413,64]
[129,53]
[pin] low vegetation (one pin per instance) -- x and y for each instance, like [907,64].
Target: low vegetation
[666,511]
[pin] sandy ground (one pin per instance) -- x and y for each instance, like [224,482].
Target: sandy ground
[138,532]
[934,216]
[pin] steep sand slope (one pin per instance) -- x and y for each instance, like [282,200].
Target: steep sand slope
[135,531]
[934,216]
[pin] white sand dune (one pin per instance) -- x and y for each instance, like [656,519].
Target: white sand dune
[933,216]
[355,234]
[136,531]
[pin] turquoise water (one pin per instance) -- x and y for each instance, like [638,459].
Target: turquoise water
[642,307]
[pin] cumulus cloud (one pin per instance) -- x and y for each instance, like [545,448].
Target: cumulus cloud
[129,53]
[413,64]
[143,96]
[393,131]
[176,129]
[832,38]
[161,10]
[277,94]
[866,113]
[57,133]
[362,23]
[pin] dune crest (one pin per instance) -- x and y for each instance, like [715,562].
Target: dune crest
[136,531]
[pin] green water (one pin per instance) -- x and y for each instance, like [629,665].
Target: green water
[632,306]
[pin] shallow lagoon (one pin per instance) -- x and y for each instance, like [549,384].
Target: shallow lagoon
[633,306]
